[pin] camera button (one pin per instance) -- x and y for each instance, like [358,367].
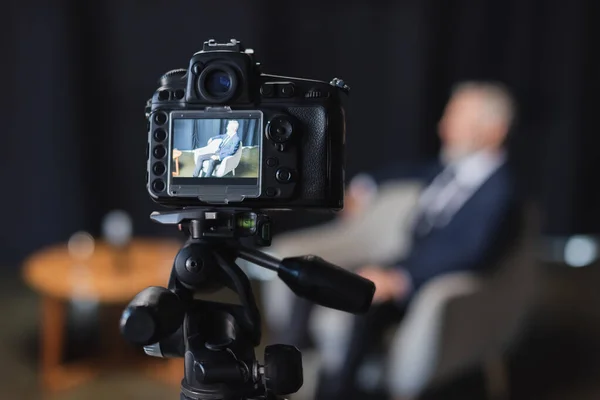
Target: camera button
[272,162]
[160,135]
[271,192]
[158,168]
[158,185]
[286,90]
[159,151]
[197,68]
[283,175]
[163,95]
[267,90]
[160,118]
[179,94]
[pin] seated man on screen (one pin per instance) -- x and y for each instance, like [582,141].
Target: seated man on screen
[459,220]
[228,146]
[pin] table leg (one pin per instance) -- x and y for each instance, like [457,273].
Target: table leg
[177,166]
[53,338]
[169,371]
[55,375]
[113,347]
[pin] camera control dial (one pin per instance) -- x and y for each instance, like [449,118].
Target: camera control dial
[280,129]
[171,76]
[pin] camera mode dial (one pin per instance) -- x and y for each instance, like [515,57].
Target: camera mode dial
[172,76]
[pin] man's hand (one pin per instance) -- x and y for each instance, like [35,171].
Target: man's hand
[215,157]
[390,284]
[359,194]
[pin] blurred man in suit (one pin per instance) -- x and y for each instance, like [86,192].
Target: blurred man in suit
[229,146]
[459,219]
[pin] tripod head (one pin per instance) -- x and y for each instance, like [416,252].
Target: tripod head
[217,340]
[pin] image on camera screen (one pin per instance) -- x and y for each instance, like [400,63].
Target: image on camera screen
[216,148]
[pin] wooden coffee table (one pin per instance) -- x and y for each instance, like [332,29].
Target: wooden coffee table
[59,280]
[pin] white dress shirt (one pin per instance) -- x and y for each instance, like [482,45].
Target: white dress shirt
[449,191]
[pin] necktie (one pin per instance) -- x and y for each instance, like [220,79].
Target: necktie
[224,141]
[434,201]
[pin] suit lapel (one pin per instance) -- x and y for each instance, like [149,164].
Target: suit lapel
[424,227]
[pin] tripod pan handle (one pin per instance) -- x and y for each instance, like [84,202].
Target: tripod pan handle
[326,284]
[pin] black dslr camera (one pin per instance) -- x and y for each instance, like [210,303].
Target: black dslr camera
[221,133]
[224,141]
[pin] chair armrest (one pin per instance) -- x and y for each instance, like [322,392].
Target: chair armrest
[416,348]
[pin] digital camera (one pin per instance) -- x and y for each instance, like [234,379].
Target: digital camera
[221,133]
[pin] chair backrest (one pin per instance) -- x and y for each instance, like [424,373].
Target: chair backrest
[487,321]
[229,163]
[460,320]
[238,154]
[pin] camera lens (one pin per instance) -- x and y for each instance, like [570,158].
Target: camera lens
[279,129]
[217,83]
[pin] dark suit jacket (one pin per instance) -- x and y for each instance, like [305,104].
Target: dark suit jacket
[229,148]
[476,236]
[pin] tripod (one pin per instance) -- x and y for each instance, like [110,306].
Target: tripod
[217,340]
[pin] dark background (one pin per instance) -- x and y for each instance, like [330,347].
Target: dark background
[77,75]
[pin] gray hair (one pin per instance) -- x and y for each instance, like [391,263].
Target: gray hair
[499,100]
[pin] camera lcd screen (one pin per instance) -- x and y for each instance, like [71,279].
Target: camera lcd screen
[214,150]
